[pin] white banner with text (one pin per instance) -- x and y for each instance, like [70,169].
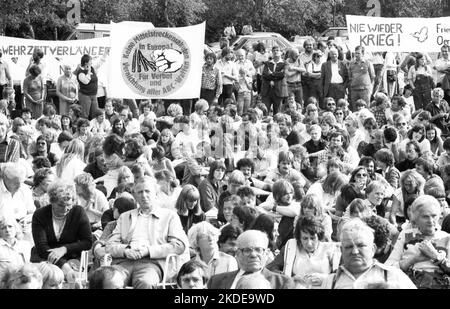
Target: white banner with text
[156,62]
[378,34]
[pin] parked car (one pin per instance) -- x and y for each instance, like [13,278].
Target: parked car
[337,32]
[269,39]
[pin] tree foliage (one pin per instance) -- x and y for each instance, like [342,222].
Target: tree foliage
[40,19]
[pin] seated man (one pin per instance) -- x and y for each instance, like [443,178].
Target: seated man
[358,267]
[193,275]
[144,237]
[251,255]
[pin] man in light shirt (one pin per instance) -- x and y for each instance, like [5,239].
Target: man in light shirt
[251,255]
[5,75]
[359,269]
[144,237]
[230,74]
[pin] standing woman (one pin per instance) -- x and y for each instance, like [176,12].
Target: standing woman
[211,88]
[421,81]
[66,90]
[88,81]
[34,91]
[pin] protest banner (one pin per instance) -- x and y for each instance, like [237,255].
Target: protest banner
[378,34]
[18,53]
[156,63]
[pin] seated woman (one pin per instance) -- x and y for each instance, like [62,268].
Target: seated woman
[413,152]
[211,187]
[13,251]
[311,205]
[423,252]
[329,189]
[188,207]
[160,161]
[359,179]
[306,257]
[91,199]
[436,141]
[411,187]
[168,189]
[203,239]
[417,134]
[385,163]
[61,231]
[42,178]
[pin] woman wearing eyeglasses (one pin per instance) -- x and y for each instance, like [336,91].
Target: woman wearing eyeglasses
[306,257]
[339,115]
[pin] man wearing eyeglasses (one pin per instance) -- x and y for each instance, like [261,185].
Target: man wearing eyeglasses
[251,256]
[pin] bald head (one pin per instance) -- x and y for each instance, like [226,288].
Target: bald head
[252,250]
[252,238]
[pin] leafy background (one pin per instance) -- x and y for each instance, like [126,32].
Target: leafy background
[45,19]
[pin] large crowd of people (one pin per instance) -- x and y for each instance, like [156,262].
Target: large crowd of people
[295,169]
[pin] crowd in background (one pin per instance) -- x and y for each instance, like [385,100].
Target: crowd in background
[319,168]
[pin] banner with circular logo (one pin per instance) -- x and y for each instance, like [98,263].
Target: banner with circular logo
[155,63]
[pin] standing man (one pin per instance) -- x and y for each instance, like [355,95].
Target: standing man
[144,237]
[246,73]
[359,269]
[5,76]
[334,78]
[294,70]
[442,67]
[306,57]
[274,87]
[251,256]
[361,75]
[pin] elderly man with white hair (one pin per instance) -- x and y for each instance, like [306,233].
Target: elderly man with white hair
[422,251]
[334,76]
[246,73]
[144,237]
[252,256]
[359,269]
[16,197]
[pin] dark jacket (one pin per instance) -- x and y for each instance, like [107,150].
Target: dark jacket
[277,76]
[76,235]
[225,280]
[326,75]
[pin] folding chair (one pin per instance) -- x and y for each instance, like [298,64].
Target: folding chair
[171,268]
